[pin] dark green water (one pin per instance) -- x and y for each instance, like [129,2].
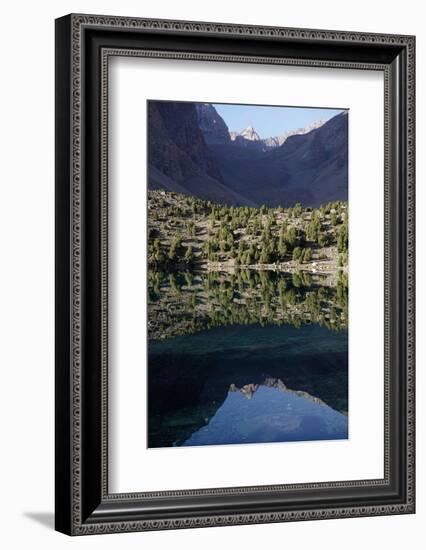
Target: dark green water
[248,384]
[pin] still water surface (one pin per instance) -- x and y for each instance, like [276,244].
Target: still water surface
[248,384]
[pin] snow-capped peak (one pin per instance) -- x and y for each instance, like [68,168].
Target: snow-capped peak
[250,134]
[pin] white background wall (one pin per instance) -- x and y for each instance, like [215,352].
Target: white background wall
[26,289]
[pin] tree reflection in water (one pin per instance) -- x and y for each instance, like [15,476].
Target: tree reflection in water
[246,357]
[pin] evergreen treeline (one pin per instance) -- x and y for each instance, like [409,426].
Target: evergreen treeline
[184,230]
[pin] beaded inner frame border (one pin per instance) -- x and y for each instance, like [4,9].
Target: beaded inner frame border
[78,23]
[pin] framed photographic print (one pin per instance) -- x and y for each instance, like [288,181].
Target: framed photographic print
[234,274]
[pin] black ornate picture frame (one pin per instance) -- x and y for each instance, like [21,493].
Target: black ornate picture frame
[84,43]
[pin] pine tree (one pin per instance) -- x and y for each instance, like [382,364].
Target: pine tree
[342,237]
[189,255]
[175,247]
[297,253]
[282,249]
[307,257]
[297,210]
[291,237]
[264,256]
[322,240]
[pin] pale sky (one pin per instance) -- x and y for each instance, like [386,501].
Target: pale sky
[271,121]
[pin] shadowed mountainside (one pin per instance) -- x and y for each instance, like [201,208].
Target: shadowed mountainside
[309,168]
[191,151]
[179,159]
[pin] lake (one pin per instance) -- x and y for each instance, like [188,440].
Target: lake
[257,382]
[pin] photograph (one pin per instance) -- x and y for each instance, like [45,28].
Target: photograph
[248,279]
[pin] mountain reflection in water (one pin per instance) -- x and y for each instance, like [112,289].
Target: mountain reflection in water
[248,384]
[274,416]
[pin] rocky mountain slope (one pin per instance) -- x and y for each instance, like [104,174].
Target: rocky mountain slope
[184,232]
[191,151]
[179,158]
[211,124]
[276,141]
